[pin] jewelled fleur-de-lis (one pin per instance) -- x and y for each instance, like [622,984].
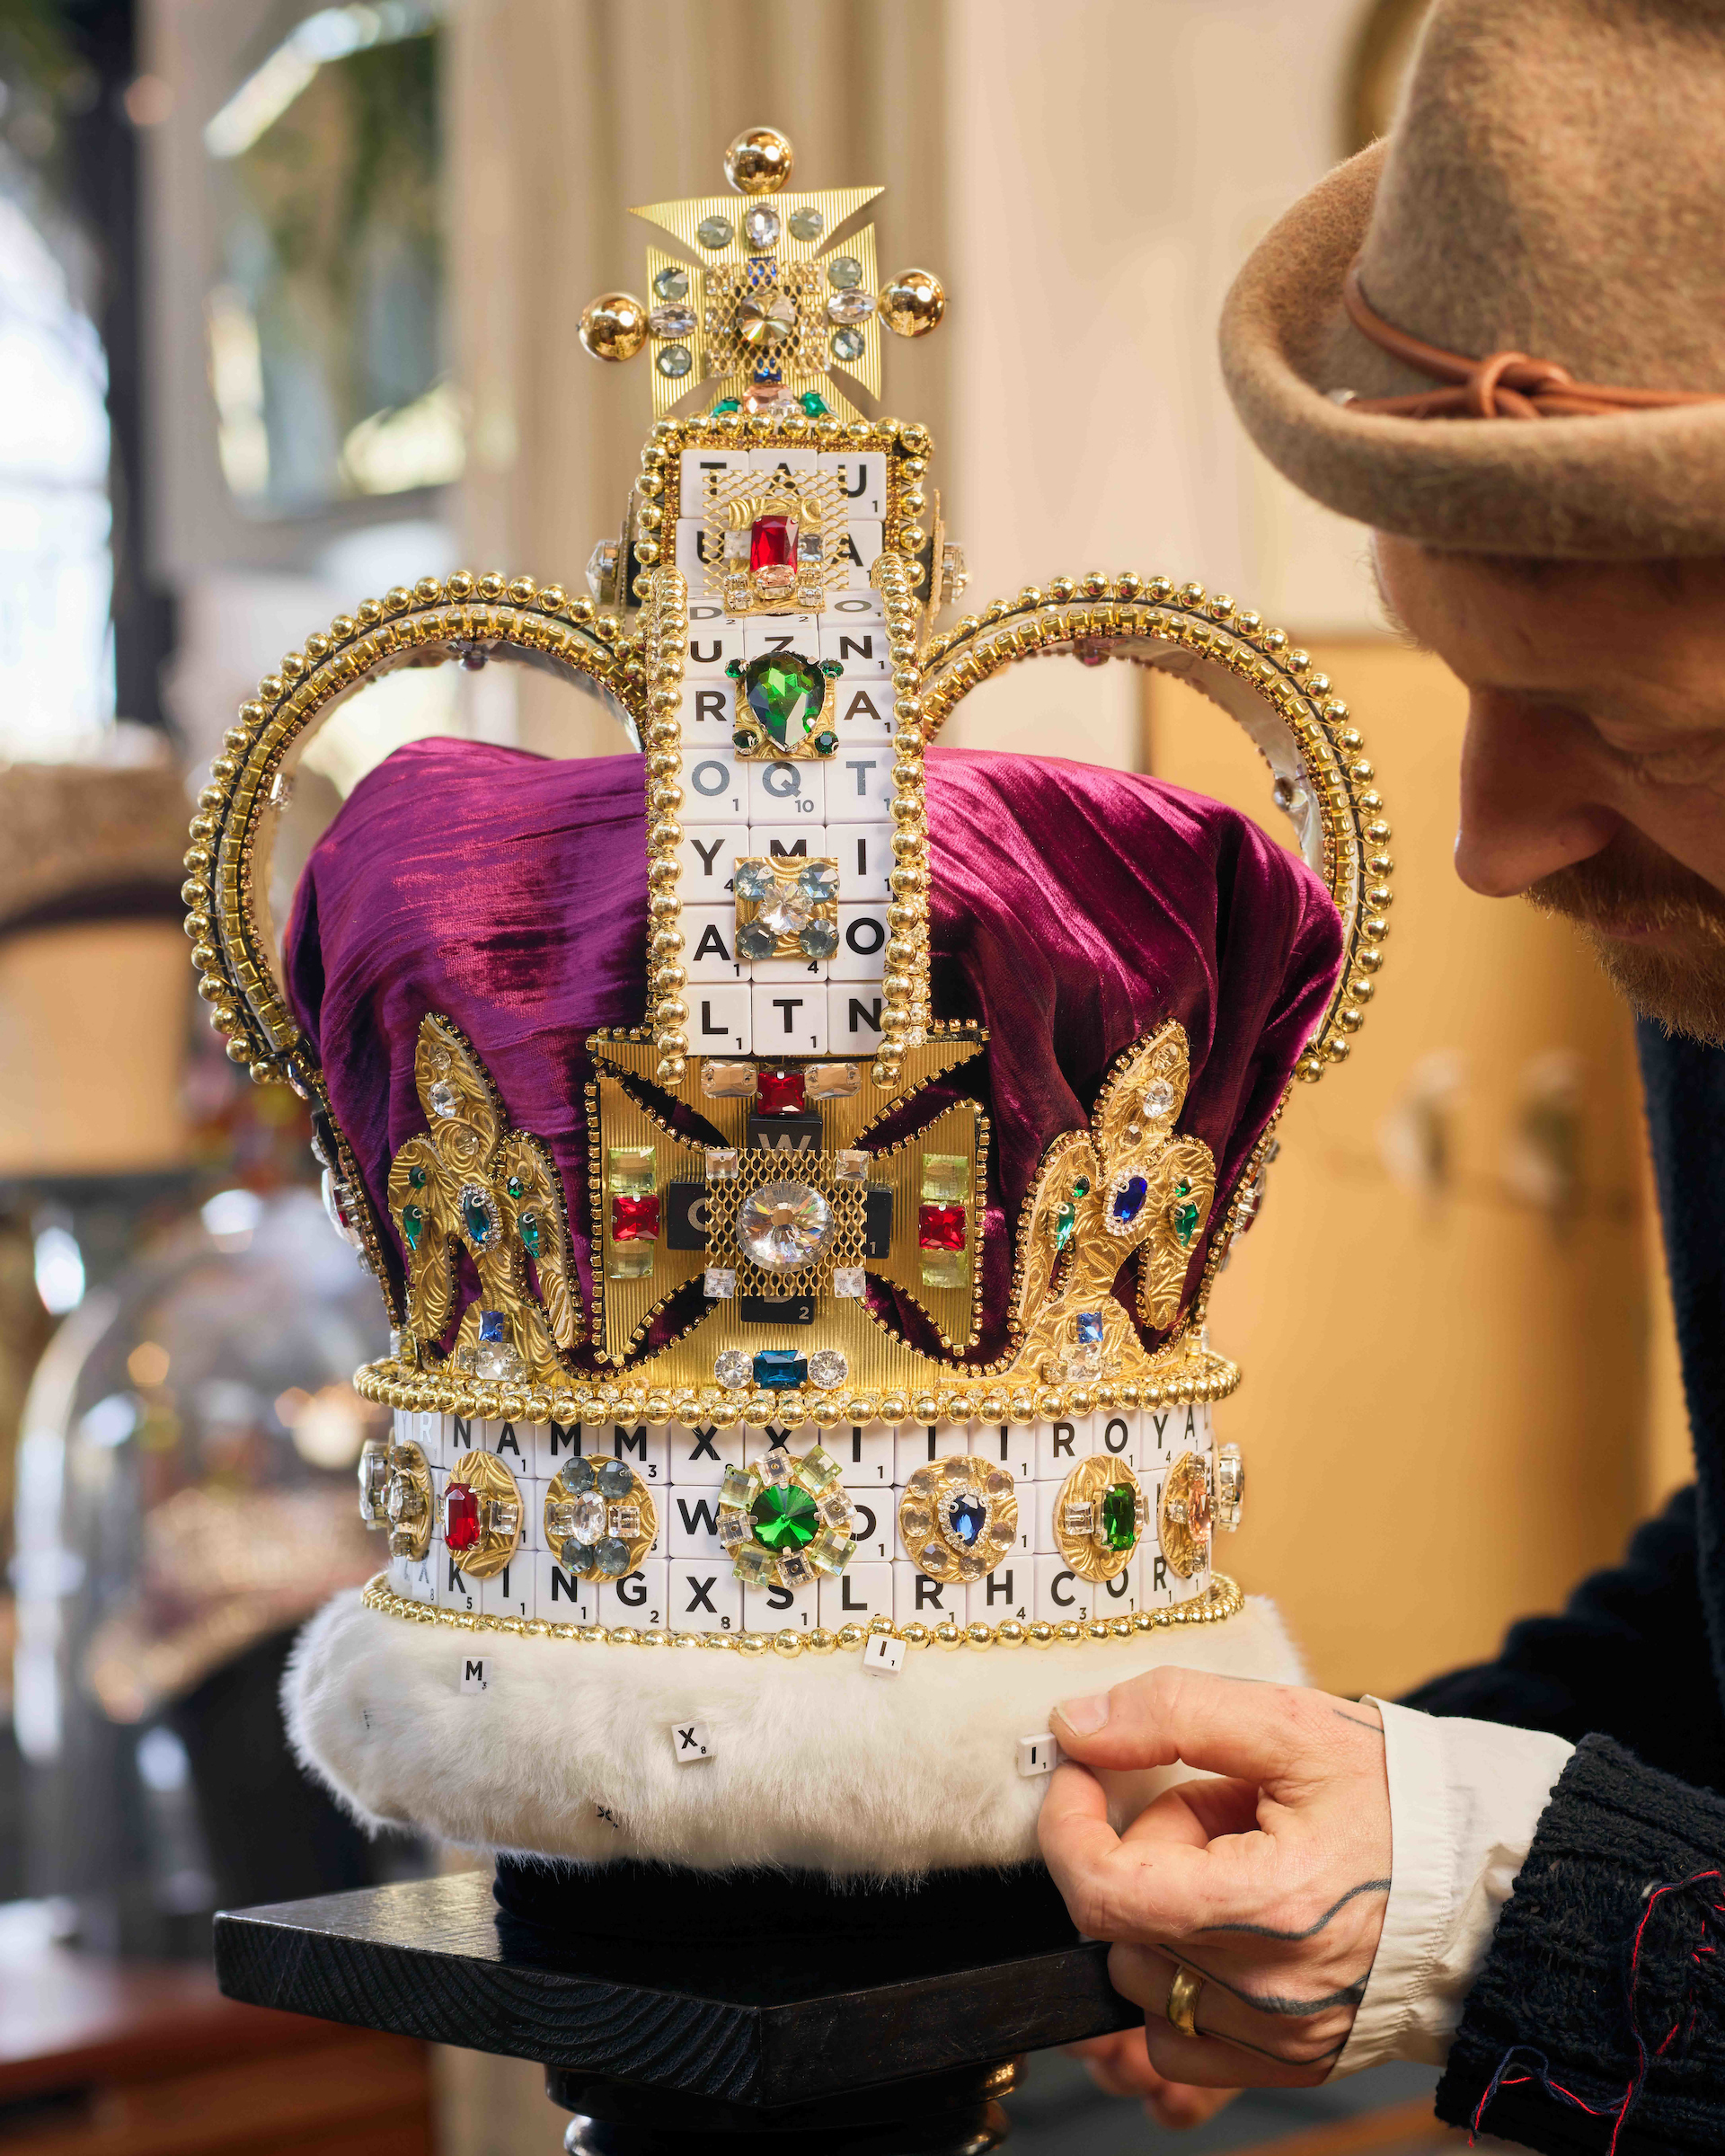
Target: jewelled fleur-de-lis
[1126,1185]
[473,1182]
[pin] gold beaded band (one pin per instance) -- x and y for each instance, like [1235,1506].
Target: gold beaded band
[1220,1600]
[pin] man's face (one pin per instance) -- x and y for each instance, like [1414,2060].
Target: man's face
[1593,775]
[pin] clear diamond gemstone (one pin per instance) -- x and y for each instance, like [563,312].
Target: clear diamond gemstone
[777,1466]
[732,1369]
[827,1367]
[583,1517]
[786,911]
[719,1282]
[1158,1097]
[1078,1519]
[721,1164]
[671,283]
[850,307]
[849,1167]
[443,1097]
[626,1521]
[754,879]
[818,880]
[795,1570]
[784,1226]
[602,571]
[836,1509]
[849,1281]
[761,225]
[496,1361]
[671,322]
[732,1529]
[848,344]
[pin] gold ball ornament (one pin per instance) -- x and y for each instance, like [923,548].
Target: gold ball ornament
[614,326]
[912,304]
[758,162]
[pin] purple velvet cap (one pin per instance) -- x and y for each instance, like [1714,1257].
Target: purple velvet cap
[1074,910]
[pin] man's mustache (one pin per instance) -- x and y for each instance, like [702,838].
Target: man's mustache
[1632,885]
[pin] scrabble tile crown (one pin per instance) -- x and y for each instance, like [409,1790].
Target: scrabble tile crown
[761,1251]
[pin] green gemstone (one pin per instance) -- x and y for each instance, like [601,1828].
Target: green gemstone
[514,1185]
[786,693]
[416,1179]
[479,1221]
[816,407]
[825,745]
[784,1518]
[413,1226]
[528,1228]
[1065,1220]
[1184,1215]
[725,404]
[1121,1516]
[1081,1188]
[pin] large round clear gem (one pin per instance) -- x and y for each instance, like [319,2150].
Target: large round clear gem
[820,879]
[761,227]
[827,1367]
[673,361]
[785,910]
[586,1517]
[1158,1097]
[784,1226]
[443,1097]
[733,1369]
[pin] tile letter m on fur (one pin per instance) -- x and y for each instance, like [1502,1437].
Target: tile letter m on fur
[474,1675]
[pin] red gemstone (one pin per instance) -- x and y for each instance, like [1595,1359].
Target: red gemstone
[634,1219]
[940,1227]
[779,1093]
[772,543]
[460,1517]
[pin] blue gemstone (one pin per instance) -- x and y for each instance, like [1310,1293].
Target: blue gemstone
[1087,1327]
[578,1476]
[967,1517]
[779,1369]
[615,1479]
[491,1325]
[1128,1199]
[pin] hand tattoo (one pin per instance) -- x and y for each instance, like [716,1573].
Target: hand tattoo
[1312,1930]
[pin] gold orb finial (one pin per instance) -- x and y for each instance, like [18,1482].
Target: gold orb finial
[758,162]
[614,326]
[912,303]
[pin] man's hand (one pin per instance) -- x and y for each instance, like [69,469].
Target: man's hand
[1270,1883]
[1120,2066]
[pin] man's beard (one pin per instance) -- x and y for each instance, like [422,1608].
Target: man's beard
[1680,981]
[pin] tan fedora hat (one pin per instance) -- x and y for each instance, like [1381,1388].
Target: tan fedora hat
[1545,231]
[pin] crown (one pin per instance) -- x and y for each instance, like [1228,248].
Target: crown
[850,1176]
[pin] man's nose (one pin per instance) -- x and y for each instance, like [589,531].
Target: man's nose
[1530,800]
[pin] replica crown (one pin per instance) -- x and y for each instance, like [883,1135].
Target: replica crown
[797,1160]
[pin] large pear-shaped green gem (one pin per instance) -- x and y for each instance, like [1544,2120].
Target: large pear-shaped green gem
[785,692]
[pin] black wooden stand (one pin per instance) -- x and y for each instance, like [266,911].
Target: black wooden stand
[688,2014]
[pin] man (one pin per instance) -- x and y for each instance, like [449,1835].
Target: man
[1499,341]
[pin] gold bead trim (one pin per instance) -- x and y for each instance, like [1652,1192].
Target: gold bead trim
[665,627]
[1220,1600]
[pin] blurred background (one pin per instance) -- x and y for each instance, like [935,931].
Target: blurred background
[289,299]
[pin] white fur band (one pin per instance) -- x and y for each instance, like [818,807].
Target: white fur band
[816,1763]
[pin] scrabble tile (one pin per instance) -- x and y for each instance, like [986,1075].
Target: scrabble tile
[1119,1596]
[863,472]
[689,1523]
[705,1596]
[419,1578]
[691,1742]
[1036,1508]
[693,555]
[852,1017]
[789,792]
[916,1444]
[781,458]
[859,783]
[715,638]
[533,1512]
[859,550]
[722,1021]
[864,1453]
[861,955]
[707,712]
[1008,1445]
[789,1020]
[510,1592]
[562,1596]
[511,1442]
[860,1592]
[697,469]
[766,635]
[1008,1591]
[781,838]
[642,1445]
[715,790]
[874,1525]
[641,1598]
[809,973]
[709,944]
[863,853]
[1060,1446]
[466,1434]
[708,860]
[918,1599]
[861,647]
[1061,1596]
[759,1438]
[864,710]
[1157,1587]
[1037,1755]
[780,1609]
[864,605]
[455,1591]
[553,1445]
[701,1452]
[1117,1435]
[427,1431]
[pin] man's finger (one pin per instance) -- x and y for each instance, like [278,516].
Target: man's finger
[1263,1733]
[1197,1812]
[1236,2047]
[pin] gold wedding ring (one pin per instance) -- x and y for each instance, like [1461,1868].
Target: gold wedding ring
[1182,2001]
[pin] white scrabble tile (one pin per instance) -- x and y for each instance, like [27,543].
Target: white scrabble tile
[863,472]
[1035,1507]
[1008,1445]
[1119,1596]
[715,638]
[883,1655]
[875,1524]
[554,1446]
[781,458]
[708,861]
[688,1522]
[860,1592]
[641,1446]
[1157,1586]
[781,839]
[510,1592]
[1168,1432]
[780,1609]
[864,1453]
[1061,1596]
[863,853]
[789,1020]
[811,972]
[852,1017]
[722,1021]
[426,1431]
[466,1434]
[1008,1591]
[562,1596]
[710,944]
[701,1452]
[792,793]
[641,1598]
[697,471]
[917,1599]
[865,712]
[859,783]
[693,557]
[865,605]
[917,1445]
[859,550]
[705,1596]
[861,647]
[861,949]
[420,1578]
[1116,1433]
[691,1742]
[533,1512]
[511,1442]
[707,712]
[759,1438]
[396,1573]
[771,635]
[715,790]
[455,1591]
[1037,1755]
[1060,1446]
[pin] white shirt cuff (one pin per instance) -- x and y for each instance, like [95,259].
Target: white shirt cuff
[1465,1799]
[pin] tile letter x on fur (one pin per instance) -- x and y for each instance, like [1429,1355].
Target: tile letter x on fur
[690,1742]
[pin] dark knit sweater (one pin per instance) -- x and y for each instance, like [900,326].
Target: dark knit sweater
[1634,1671]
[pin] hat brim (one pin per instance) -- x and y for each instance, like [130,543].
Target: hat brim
[1644,485]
